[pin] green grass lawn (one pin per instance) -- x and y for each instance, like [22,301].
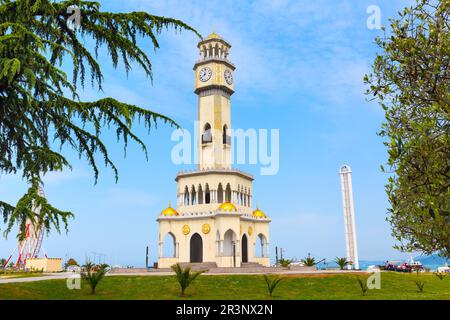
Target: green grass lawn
[249,287]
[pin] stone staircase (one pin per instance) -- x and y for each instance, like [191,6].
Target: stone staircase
[200,266]
[251,265]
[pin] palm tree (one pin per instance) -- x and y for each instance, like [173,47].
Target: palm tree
[285,262]
[185,276]
[93,274]
[272,283]
[342,262]
[309,261]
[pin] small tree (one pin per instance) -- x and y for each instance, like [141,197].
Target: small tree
[285,262]
[363,285]
[419,284]
[272,283]
[185,277]
[342,262]
[441,275]
[309,261]
[93,274]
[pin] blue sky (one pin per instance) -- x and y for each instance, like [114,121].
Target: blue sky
[300,66]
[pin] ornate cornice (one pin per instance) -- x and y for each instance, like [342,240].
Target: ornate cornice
[243,174]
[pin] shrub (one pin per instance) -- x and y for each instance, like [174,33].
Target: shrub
[185,277]
[440,275]
[363,285]
[272,283]
[284,262]
[93,274]
[419,284]
[309,261]
[342,262]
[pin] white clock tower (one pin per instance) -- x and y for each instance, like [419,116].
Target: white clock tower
[214,222]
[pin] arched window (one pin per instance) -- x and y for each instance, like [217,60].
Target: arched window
[169,246]
[200,194]
[207,194]
[193,196]
[225,136]
[229,242]
[228,193]
[220,194]
[207,135]
[261,246]
[186,196]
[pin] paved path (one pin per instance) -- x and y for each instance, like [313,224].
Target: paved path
[51,276]
[65,275]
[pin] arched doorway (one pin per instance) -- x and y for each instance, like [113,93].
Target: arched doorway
[196,248]
[244,249]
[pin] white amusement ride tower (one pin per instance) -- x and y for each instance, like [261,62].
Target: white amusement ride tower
[349,217]
[31,245]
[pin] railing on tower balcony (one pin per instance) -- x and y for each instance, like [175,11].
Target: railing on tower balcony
[207,137]
[227,140]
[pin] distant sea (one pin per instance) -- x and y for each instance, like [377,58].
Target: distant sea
[430,262]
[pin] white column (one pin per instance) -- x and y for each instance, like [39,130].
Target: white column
[267,250]
[160,250]
[224,200]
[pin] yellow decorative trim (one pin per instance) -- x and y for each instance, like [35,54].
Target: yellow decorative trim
[250,231]
[186,230]
[206,228]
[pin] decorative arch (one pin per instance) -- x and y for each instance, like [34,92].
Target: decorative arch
[196,248]
[220,193]
[186,196]
[200,194]
[261,246]
[169,246]
[228,193]
[207,133]
[229,243]
[207,194]
[244,248]
[193,195]
[225,136]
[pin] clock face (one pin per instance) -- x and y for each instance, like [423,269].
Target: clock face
[228,77]
[205,74]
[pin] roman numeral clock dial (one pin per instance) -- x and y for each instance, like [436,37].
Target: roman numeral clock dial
[228,77]
[205,74]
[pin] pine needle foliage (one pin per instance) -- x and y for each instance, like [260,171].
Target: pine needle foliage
[40,109]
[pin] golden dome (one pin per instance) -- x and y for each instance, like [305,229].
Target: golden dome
[227,206]
[213,36]
[259,213]
[169,211]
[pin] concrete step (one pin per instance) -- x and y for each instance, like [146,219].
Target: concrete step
[199,266]
[251,265]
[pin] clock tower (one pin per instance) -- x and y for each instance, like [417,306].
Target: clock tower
[214,222]
[214,87]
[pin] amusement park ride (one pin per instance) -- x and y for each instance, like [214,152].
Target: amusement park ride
[31,245]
